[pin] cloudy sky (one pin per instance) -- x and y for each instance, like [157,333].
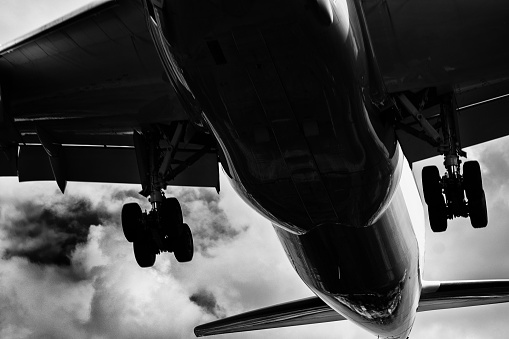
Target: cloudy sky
[66,270]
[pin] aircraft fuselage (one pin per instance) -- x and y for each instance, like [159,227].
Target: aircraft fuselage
[284,87]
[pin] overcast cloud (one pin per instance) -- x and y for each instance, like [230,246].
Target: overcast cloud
[66,270]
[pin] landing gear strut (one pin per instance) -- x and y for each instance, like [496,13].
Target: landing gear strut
[162,229]
[453,185]
[445,196]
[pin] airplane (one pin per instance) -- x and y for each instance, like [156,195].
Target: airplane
[315,110]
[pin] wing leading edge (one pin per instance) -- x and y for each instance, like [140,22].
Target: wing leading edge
[435,296]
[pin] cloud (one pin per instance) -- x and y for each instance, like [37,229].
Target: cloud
[48,233]
[207,219]
[69,272]
[124,195]
[112,298]
[206,300]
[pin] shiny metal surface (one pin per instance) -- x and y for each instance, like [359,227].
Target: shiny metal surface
[369,275]
[294,313]
[287,99]
[435,295]
[438,295]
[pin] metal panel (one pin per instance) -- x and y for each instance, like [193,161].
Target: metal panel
[7,165]
[97,63]
[89,164]
[107,164]
[431,43]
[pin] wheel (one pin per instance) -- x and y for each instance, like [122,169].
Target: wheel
[171,213]
[472,180]
[478,211]
[170,217]
[184,249]
[131,215]
[438,216]
[431,186]
[144,251]
[472,183]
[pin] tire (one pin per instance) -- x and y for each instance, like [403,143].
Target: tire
[437,214]
[144,251]
[472,183]
[170,218]
[431,186]
[131,215]
[472,180]
[184,249]
[171,213]
[478,212]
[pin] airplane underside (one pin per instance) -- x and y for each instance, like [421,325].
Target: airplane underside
[313,133]
[291,91]
[289,103]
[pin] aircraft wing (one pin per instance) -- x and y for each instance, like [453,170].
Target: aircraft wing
[301,312]
[84,83]
[435,296]
[445,44]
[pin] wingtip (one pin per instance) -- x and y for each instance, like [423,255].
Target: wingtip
[197,332]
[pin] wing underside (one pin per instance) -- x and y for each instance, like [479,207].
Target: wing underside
[459,47]
[93,76]
[435,296]
[82,85]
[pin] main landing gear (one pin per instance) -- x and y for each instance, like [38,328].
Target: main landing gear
[454,186]
[162,229]
[445,196]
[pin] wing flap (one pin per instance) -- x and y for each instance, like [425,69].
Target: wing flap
[108,164]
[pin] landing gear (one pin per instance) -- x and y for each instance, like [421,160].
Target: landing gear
[472,182]
[432,188]
[185,248]
[162,229]
[145,250]
[453,185]
[455,189]
[131,219]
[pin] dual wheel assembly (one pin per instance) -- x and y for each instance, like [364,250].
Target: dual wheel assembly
[161,230]
[454,204]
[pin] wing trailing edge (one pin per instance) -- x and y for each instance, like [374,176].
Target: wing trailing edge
[435,295]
